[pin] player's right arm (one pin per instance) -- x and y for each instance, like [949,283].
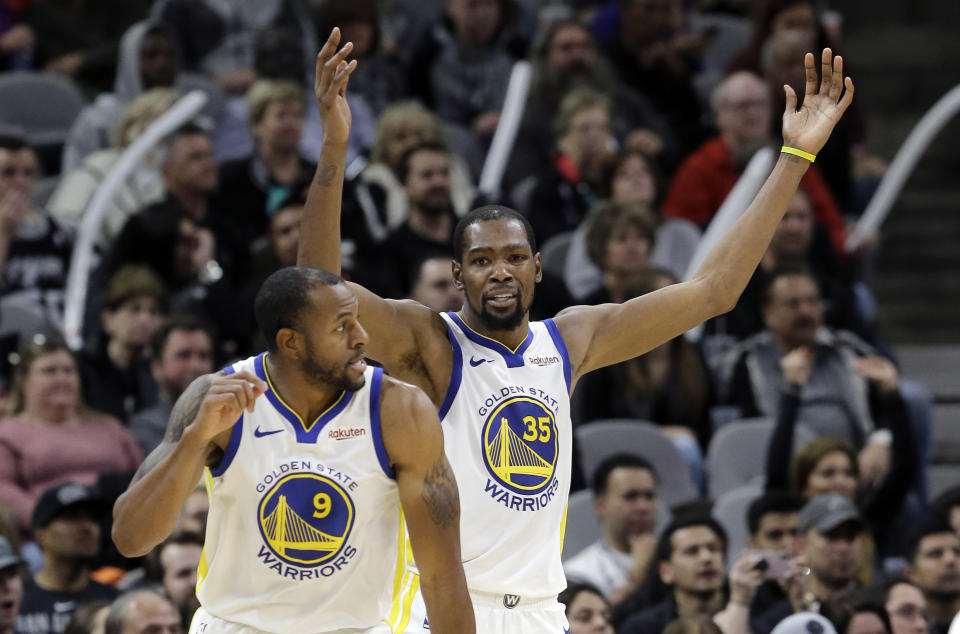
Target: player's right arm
[400,331]
[199,427]
[431,503]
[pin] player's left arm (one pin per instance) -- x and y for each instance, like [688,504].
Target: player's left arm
[431,503]
[597,336]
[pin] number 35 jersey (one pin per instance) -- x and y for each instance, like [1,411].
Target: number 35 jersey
[508,435]
[304,522]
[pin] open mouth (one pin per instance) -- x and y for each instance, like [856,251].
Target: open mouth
[358,365]
[502,300]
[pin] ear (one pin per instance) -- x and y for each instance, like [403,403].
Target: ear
[106,318]
[538,262]
[288,342]
[910,573]
[666,573]
[457,270]
[599,504]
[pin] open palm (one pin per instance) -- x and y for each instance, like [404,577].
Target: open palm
[330,88]
[809,128]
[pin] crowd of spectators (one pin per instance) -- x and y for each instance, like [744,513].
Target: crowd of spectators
[640,118]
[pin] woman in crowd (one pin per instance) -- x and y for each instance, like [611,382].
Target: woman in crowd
[49,436]
[586,609]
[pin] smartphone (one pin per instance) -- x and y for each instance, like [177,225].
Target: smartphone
[773,563]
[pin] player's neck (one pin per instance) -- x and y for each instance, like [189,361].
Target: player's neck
[308,399]
[511,338]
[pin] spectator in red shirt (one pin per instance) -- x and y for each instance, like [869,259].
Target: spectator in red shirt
[741,104]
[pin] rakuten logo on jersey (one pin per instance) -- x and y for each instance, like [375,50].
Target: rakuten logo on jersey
[347,434]
[543,361]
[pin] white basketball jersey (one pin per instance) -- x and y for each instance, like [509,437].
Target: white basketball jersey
[507,435]
[304,522]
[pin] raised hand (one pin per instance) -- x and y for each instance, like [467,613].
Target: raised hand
[330,88]
[809,128]
[226,398]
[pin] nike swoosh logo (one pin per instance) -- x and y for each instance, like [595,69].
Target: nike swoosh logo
[261,434]
[474,362]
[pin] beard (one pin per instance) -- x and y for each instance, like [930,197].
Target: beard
[508,322]
[318,373]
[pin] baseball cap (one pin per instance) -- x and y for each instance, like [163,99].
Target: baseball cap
[826,512]
[56,499]
[804,623]
[7,556]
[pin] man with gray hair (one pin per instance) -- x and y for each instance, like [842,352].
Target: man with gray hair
[743,110]
[144,611]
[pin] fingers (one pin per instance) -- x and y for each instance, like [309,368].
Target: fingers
[836,79]
[847,95]
[791,99]
[811,74]
[826,71]
[330,69]
[326,52]
[343,76]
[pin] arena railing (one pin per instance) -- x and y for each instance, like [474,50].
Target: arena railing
[81,261]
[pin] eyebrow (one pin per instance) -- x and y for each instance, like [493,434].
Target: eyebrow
[507,247]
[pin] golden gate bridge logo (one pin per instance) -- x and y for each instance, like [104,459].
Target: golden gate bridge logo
[305,519]
[520,445]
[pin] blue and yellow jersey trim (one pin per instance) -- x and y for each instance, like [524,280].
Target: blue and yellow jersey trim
[406,583]
[513,357]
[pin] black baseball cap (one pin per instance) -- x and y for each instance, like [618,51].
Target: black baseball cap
[57,499]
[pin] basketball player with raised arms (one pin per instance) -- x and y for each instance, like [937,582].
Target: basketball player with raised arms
[313,462]
[501,383]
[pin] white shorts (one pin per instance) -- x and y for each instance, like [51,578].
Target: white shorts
[205,623]
[501,614]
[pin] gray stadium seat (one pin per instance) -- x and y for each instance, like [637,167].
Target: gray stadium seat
[945,445]
[43,105]
[730,510]
[601,439]
[942,477]
[738,453]
[582,526]
[554,253]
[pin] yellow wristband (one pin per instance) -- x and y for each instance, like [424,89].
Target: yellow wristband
[792,150]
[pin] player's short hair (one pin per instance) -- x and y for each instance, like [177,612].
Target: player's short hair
[403,164]
[483,214]
[284,295]
[598,483]
[772,502]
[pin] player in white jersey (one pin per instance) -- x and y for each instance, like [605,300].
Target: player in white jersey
[504,407]
[306,532]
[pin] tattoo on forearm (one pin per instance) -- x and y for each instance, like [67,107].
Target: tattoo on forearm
[325,175]
[186,408]
[440,493]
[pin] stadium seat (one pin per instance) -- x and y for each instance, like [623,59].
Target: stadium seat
[601,439]
[945,446]
[730,510]
[738,453]
[43,105]
[942,477]
[582,527]
[554,253]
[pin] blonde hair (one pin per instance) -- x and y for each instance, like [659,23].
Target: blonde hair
[405,113]
[264,92]
[573,103]
[30,351]
[141,112]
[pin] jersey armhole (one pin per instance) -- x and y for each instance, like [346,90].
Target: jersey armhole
[456,375]
[234,443]
[562,348]
[375,384]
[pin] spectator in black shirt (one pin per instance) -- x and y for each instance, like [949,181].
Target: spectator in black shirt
[34,248]
[424,171]
[116,378]
[66,529]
